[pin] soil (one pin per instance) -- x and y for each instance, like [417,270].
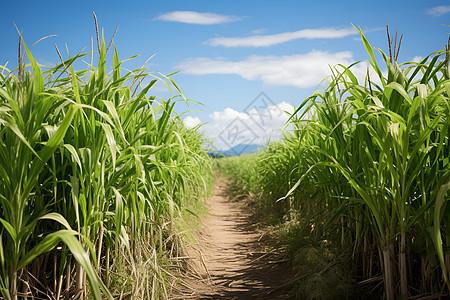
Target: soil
[233,258]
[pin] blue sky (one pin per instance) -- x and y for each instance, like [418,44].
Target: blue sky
[228,52]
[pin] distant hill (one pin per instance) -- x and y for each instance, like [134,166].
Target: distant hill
[237,150]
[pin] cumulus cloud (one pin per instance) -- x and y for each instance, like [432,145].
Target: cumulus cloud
[191,122]
[230,127]
[438,11]
[279,38]
[299,70]
[192,17]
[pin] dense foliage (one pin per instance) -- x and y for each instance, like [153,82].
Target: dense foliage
[93,173]
[368,166]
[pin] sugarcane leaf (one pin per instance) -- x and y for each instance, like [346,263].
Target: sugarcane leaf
[12,232]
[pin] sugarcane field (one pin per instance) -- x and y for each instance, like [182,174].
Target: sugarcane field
[235,150]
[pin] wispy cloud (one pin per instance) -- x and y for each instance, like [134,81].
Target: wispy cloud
[258,31]
[279,38]
[299,70]
[192,17]
[438,10]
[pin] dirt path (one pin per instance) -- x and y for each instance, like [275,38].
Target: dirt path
[236,261]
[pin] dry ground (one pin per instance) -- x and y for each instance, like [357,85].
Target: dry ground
[232,258]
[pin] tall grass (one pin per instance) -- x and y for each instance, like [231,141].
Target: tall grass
[368,162]
[93,173]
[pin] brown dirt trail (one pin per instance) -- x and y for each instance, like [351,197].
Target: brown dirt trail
[235,259]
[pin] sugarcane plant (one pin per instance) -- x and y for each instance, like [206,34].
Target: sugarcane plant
[94,173]
[372,152]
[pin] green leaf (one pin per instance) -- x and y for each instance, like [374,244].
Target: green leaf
[396,86]
[111,141]
[12,232]
[47,151]
[37,74]
[74,154]
[58,218]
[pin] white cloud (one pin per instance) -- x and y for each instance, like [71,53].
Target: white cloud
[438,10]
[191,122]
[228,114]
[258,31]
[230,127]
[279,38]
[299,70]
[417,59]
[192,17]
